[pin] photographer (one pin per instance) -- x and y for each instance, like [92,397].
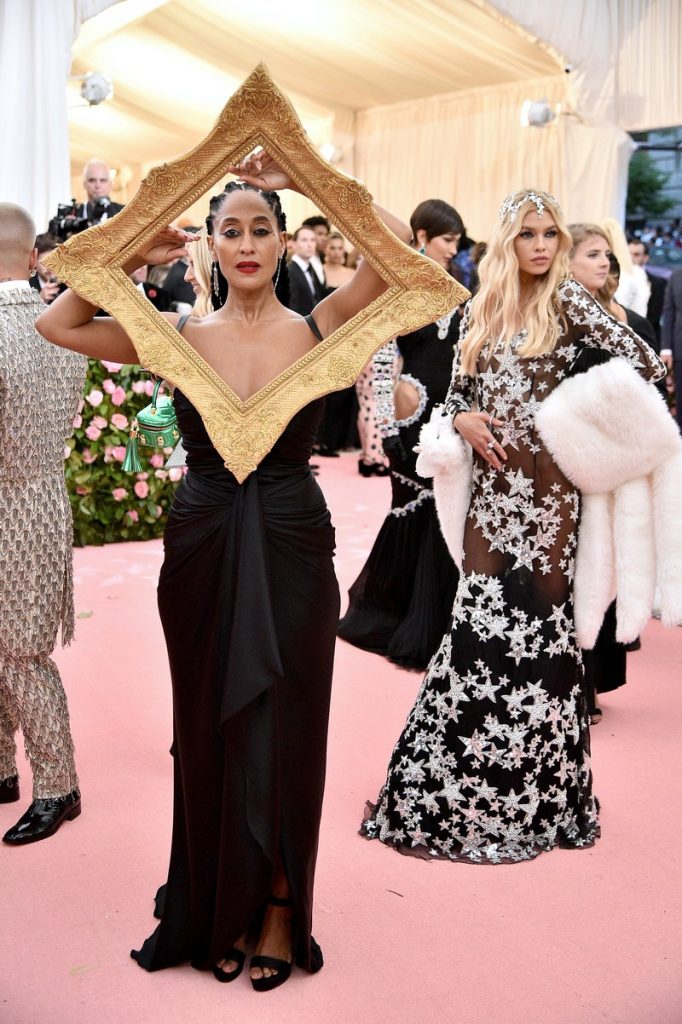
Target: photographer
[74,217]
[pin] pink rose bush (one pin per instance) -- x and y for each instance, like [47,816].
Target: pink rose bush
[108,504]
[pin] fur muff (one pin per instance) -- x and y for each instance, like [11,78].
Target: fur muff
[611,433]
[606,426]
[445,458]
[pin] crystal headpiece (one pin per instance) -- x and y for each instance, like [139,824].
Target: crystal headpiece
[539,199]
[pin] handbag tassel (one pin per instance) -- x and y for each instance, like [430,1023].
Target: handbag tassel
[131,463]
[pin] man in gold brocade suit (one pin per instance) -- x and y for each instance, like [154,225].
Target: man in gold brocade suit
[40,387]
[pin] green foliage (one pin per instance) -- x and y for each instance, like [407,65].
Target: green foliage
[108,504]
[645,188]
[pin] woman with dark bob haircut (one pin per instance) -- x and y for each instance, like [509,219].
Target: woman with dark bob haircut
[400,603]
[249,604]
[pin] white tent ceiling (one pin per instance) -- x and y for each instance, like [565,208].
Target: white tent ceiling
[175,63]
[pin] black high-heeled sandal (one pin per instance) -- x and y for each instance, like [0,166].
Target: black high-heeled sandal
[283,967]
[239,957]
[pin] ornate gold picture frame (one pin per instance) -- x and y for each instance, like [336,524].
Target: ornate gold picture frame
[258,114]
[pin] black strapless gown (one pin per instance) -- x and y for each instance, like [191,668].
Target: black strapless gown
[249,604]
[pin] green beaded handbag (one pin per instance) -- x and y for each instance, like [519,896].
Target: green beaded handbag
[155,426]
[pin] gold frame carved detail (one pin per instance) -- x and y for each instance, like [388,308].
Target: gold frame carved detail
[258,114]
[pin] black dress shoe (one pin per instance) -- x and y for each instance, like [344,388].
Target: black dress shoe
[9,790]
[43,818]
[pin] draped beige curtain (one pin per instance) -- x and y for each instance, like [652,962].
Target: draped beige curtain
[35,54]
[467,147]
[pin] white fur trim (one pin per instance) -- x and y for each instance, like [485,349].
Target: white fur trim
[633,524]
[446,458]
[607,426]
[594,585]
[667,490]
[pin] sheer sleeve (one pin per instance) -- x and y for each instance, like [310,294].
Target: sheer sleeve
[461,393]
[598,329]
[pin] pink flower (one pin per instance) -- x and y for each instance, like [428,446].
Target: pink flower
[138,387]
[175,473]
[81,405]
[160,474]
[82,490]
[94,398]
[119,452]
[67,451]
[149,387]
[141,476]
[156,461]
[77,421]
[141,488]
[108,385]
[159,511]
[119,421]
[111,367]
[118,396]
[92,432]
[88,457]
[99,421]
[132,515]
[119,493]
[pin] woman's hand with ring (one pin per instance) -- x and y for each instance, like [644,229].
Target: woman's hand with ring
[475,428]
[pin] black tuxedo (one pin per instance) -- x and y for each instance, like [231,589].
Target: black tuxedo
[158,296]
[302,298]
[671,332]
[88,210]
[654,310]
[178,289]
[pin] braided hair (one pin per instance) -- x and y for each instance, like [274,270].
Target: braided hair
[281,276]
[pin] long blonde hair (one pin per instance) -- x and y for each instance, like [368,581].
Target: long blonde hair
[495,311]
[200,255]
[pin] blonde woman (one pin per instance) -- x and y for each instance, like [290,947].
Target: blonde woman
[198,274]
[493,765]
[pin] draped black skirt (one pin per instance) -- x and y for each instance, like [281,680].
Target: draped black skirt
[249,604]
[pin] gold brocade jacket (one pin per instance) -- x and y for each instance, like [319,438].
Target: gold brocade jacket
[40,388]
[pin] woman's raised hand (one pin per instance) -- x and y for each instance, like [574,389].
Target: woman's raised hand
[262,170]
[476,428]
[167,245]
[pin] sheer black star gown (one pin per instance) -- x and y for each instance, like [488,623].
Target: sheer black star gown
[249,604]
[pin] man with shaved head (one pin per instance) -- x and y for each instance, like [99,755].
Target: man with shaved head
[97,181]
[40,388]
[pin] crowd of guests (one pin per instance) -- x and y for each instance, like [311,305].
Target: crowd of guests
[493,764]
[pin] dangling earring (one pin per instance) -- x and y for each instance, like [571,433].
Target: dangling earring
[279,267]
[422,250]
[33,272]
[216,283]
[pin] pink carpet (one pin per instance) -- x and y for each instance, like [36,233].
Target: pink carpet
[575,937]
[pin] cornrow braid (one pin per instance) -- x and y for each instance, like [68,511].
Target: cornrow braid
[281,276]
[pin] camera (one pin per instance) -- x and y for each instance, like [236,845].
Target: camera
[69,221]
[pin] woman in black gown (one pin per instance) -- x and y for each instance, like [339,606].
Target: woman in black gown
[399,606]
[249,605]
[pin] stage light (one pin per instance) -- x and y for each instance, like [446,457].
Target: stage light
[96,88]
[536,113]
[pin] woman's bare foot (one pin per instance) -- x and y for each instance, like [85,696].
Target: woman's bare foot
[275,939]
